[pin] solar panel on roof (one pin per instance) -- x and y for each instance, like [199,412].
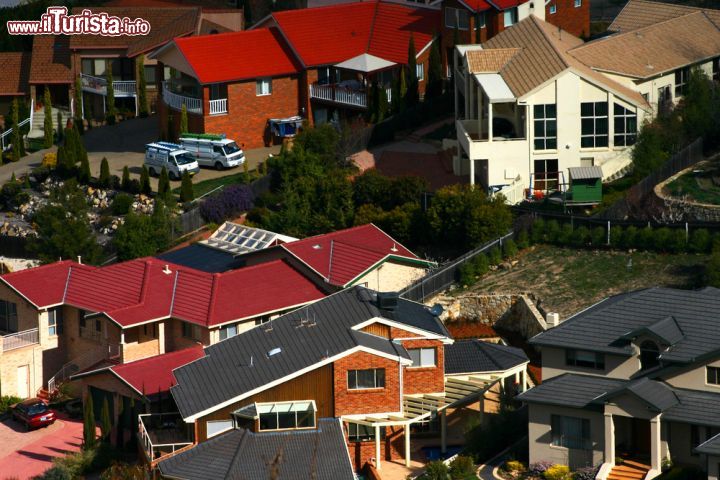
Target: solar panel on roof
[237,238]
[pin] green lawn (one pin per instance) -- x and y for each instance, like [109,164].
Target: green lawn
[201,188]
[701,184]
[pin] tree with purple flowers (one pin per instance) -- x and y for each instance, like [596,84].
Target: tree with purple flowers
[228,204]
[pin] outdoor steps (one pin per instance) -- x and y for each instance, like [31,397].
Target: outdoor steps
[38,123]
[43,394]
[629,470]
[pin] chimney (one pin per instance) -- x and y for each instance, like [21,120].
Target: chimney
[80,259]
[167,270]
[552,319]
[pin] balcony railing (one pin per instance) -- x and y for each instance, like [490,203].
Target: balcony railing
[121,88]
[19,339]
[337,94]
[86,360]
[163,434]
[218,106]
[176,101]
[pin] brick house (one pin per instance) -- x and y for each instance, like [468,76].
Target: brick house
[383,366]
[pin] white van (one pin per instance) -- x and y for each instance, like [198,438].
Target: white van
[213,150]
[172,156]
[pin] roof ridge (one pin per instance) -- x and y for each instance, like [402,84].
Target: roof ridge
[45,266]
[213,294]
[372,26]
[550,40]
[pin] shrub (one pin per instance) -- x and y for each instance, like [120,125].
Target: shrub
[537,231]
[436,470]
[125,185]
[6,401]
[186,188]
[514,466]
[677,242]
[557,472]
[494,256]
[40,173]
[466,274]
[598,237]
[481,264]
[644,239]
[145,187]
[461,467]
[580,237]
[661,239]
[509,248]
[700,241]
[586,473]
[523,239]
[552,231]
[229,203]
[616,234]
[629,237]
[121,204]
[539,468]
[49,160]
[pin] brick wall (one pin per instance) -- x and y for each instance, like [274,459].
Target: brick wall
[391,448]
[378,400]
[30,357]
[248,113]
[425,379]
[575,20]
[141,342]
[174,339]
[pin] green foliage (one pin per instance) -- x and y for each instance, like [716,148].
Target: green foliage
[661,240]
[510,248]
[125,183]
[143,235]
[557,472]
[494,256]
[616,236]
[6,401]
[71,153]
[537,231]
[186,188]
[143,109]
[124,471]
[523,239]
[105,421]
[434,84]
[164,192]
[644,239]
[412,96]
[59,126]
[629,237]
[78,93]
[110,109]
[514,466]
[436,470]
[145,187]
[598,237]
[183,119]
[552,231]
[700,241]
[104,180]
[89,429]
[18,146]
[677,241]
[48,129]
[84,171]
[121,204]
[462,467]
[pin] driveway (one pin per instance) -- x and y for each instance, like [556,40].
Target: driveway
[24,454]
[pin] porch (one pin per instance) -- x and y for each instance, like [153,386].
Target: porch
[163,434]
[98,85]
[175,95]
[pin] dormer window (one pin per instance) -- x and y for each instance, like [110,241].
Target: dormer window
[286,415]
[585,359]
[649,353]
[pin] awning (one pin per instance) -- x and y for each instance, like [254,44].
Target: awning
[365,63]
[585,173]
[495,87]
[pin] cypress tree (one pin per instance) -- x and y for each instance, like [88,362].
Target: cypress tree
[78,117]
[13,178]
[145,187]
[110,110]
[383,107]
[84,172]
[142,87]
[412,92]
[125,184]
[105,421]
[104,179]
[48,120]
[183,120]
[434,78]
[18,149]
[163,184]
[89,434]
[60,127]
[403,90]
[26,182]
[186,189]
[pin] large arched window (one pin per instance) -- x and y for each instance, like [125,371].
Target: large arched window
[649,353]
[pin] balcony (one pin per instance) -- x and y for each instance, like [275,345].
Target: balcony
[474,139]
[176,101]
[339,94]
[121,88]
[163,434]
[13,341]
[218,107]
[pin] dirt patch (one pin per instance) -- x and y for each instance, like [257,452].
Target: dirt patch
[426,165]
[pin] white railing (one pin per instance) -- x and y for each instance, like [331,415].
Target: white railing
[155,451]
[332,93]
[218,106]
[10,130]
[176,101]
[513,193]
[121,88]
[20,339]
[82,362]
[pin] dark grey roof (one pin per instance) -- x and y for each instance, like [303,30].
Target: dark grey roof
[471,356]
[585,173]
[203,258]
[658,395]
[710,447]
[695,407]
[696,314]
[570,390]
[243,455]
[666,330]
[306,337]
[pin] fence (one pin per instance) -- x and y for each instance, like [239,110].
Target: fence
[440,279]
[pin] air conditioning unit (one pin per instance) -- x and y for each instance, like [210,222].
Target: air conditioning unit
[552,319]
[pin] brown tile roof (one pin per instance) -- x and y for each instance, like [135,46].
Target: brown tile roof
[165,24]
[15,73]
[492,60]
[50,62]
[642,13]
[655,49]
[543,55]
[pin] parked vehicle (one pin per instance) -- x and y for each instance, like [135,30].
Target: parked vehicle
[213,150]
[172,156]
[34,413]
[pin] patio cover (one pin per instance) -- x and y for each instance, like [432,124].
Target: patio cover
[365,63]
[495,87]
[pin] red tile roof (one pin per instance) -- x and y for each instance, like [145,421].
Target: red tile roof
[238,55]
[154,375]
[16,70]
[43,286]
[476,5]
[342,256]
[329,35]
[505,4]
[50,61]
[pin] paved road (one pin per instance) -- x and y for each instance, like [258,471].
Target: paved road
[27,454]
[123,144]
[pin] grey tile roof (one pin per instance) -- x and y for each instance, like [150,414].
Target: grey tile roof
[695,312]
[243,455]
[657,395]
[585,173]
[710,447]
[203,258]
[666,330]
[306,337]
[471,356]
[695,407]
[570,390]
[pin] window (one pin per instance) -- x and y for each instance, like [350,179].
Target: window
[583,358]
[553,9]
[370,378]
[8,316]
[545,126]
[570,432]
[282,416]
[263,87]
[55,321]
[682,76]
[649,353]
[578,3]
[594,118]
[423,357]
[625,126]
[713,375]
[228,331]
[216,427]
[363,433]
[191,331]
[546,174]
[457,18]
[510,17]
[420,71]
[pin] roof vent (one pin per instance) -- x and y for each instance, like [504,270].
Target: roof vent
[387,300]
[365,295]
[167,270]
[394,248]
[317,246]
[436,310]
[274,351]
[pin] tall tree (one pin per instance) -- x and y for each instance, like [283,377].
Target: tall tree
[60,127]
[183,120]
[164,185]
[142,87]
[18,148]
[145,187]
[78,107]
[434,79]
[105,420]
[48,120]
[104,179]
[89,429]
[110,110]
[125,182]
[412,95]
[186,188]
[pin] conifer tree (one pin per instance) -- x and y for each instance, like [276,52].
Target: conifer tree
[183,120]
[78,117]
[18,148]
[434,78]
[125,183]
[104,179]
[105,421]
[142,87]
[84,172]
[110,110]
[163,184]
[48,120]
[89,434]
[145,187]
[412,95]
[60,127]
[186,189]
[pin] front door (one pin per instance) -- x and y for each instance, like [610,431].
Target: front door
[23,381]
[641,436]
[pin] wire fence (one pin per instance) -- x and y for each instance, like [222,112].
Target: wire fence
[444,276]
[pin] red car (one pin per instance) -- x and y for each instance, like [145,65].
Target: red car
[34,413]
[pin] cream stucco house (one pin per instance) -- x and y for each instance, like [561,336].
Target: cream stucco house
[637,377]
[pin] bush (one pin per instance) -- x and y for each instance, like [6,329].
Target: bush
[509,248]
[580,237]
[538,469]
[700,241]
[644,240]
[677,242]
[712,270]
[462,467]
[514,466]
[466,274]
[661,239]
[598,237]
[586,473]
[40,173]
[552,231]
[523,239]
[481,264]
[121,204]
[494,256]
[125,185]
[557,472]
[6,401]
[616,235]
[227,204]
[537,232]
[436,470]
[629,237]
[49,160]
